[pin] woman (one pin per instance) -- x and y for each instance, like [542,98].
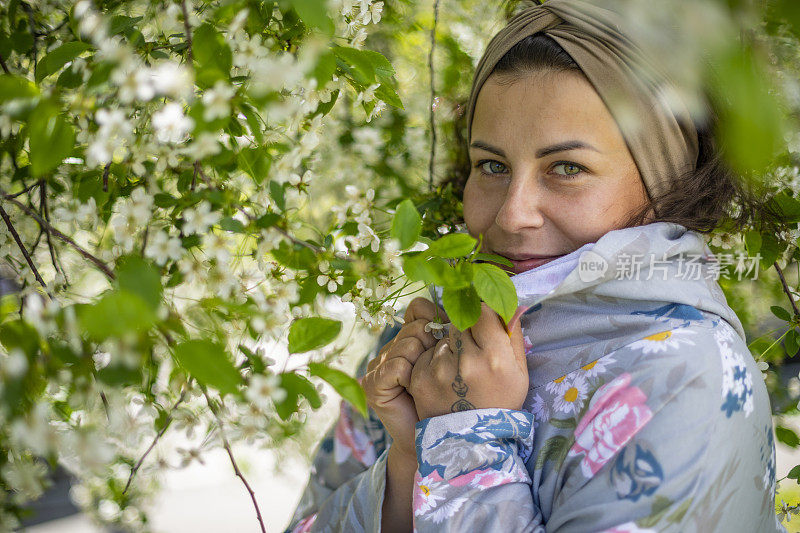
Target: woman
[625,397]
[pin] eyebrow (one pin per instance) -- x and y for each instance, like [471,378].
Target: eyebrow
[542,152]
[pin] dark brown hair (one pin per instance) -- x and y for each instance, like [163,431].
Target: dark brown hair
[708,197]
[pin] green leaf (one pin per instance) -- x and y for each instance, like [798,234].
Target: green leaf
[380,65]
[752,241]
[794,473]
[463,306]
[51,139]
[781,313]
[452,245]
[314,13]
[345,385]
[14,87]
[212,54]
[406,224]
[137,276]
[752,124]
[388,94]
[496,289]
[359,62]
[787,436]
[116,314]
[207,362]
[294,384]
[57,58]
[232,224]
[791,342]
[313,332]
[325,68]
[256,162]
[436,270]
[268,220]
[494,258]
[294,255]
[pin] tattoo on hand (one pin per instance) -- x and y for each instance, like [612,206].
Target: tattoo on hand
[459,386]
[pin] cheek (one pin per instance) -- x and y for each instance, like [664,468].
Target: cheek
[478,207]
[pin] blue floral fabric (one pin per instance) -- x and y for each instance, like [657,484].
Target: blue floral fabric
[645,413]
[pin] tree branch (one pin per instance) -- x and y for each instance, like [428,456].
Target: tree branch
[227,447]
[786,290]
[14,234]
[44,224]
[433,94]
[188,30]
[167,422]
[3,64]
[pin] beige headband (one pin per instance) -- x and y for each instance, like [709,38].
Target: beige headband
[655,124]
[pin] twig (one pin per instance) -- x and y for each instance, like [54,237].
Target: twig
[188,29]
[105,176]
[3,64]
[786,289]
[50,247]
[160,434]
[292,238]
[14,234]
[433,94]
[238,472]
[25,190]
[43,223]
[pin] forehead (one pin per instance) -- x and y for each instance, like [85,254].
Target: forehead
[542,105]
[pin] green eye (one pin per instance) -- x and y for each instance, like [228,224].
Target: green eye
[570,170]
[482,165]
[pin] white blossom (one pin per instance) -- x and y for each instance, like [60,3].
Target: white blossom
[171,125]
[199,219]
[216,101]
[162,248]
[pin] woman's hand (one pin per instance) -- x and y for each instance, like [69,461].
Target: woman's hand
[389,375]
[483,367]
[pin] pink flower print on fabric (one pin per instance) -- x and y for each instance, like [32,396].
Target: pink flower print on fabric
[348,440]
[487,477]
[305,524]
[615,415]
[527,344]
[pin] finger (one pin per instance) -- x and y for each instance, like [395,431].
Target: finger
[421,367]
[422,308]
[489,330]
[462,342]
[393,373]
[408,348]
[416,328]
[442,349]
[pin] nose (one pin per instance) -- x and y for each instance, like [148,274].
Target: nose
[521,206]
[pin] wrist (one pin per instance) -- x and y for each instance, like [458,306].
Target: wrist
[403,458]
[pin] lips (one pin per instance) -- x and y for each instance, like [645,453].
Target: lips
[527,264]
[521,264]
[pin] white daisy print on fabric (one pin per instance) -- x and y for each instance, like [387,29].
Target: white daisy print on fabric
[598,366]
[557,386]
[737,381]
[426,496]
[664,340]
[574,394]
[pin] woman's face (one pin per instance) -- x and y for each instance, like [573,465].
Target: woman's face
[550,168]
